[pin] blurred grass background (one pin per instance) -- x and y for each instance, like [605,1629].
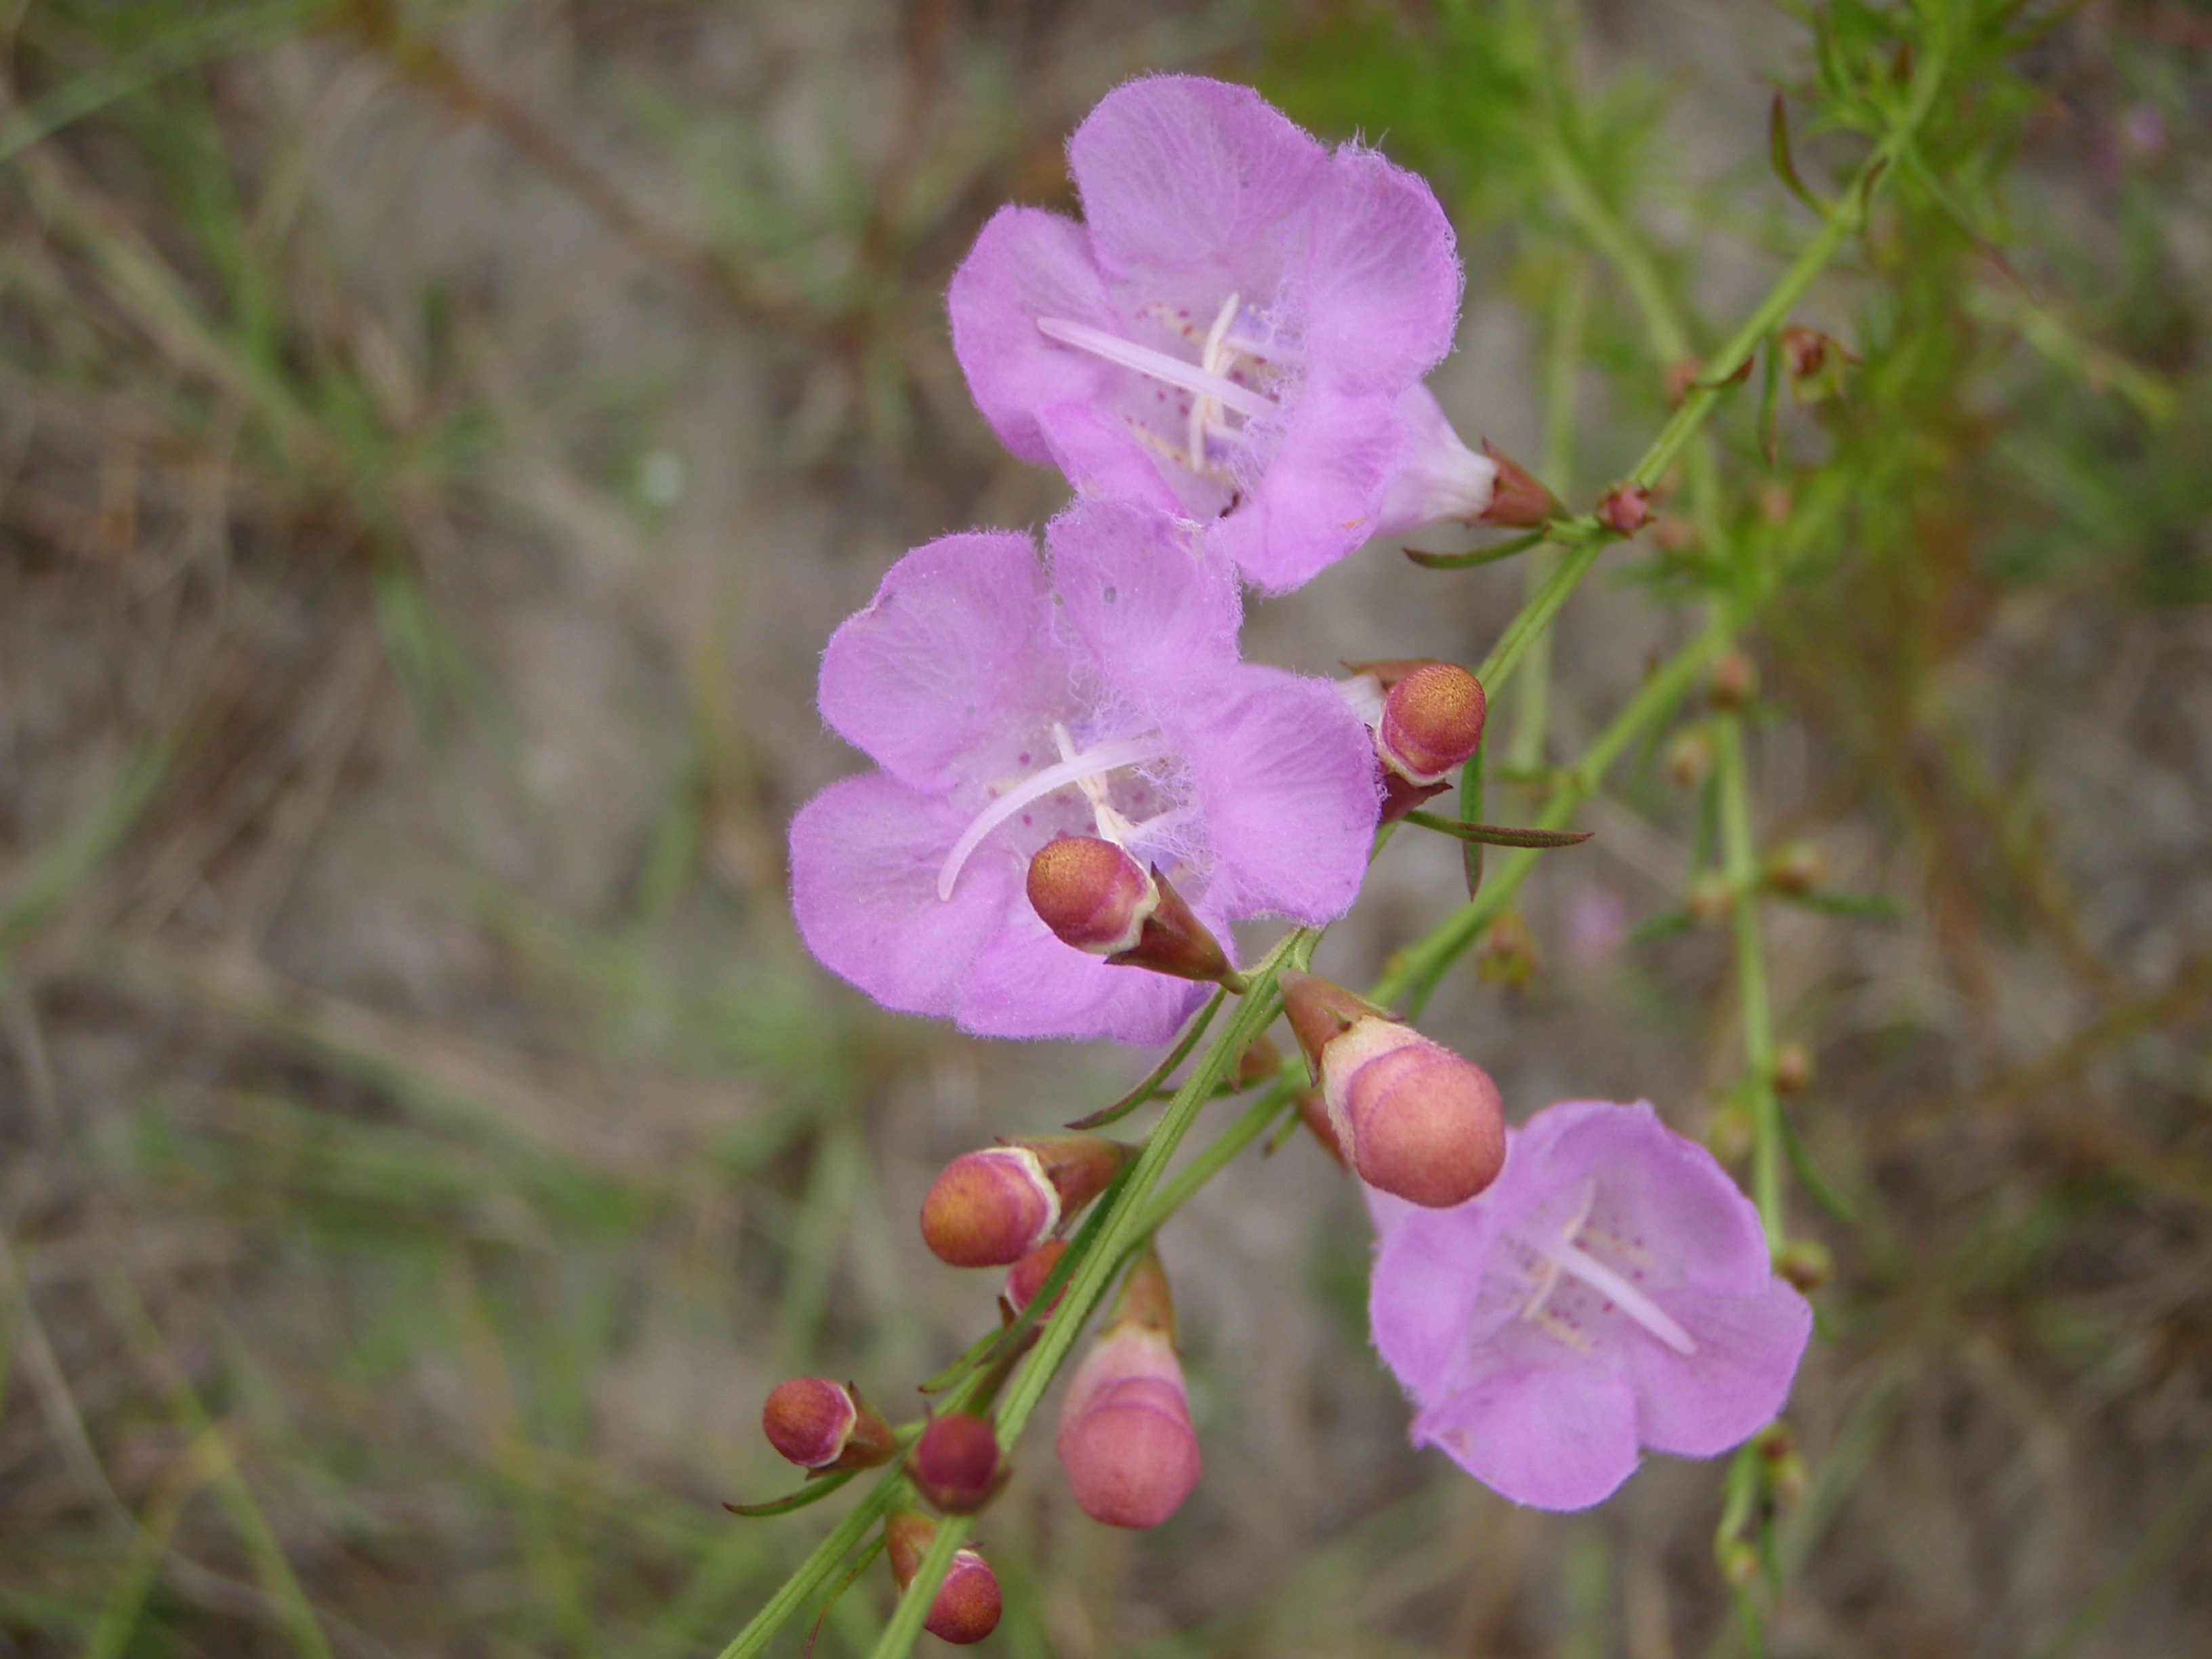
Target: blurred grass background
[436,440]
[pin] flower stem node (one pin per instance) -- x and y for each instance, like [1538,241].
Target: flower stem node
[1125,1437]
[968,1602]
[1026,1277]
[825,1426]
[991,1208]
[1625,509]
[1414,1118]
[956,1464]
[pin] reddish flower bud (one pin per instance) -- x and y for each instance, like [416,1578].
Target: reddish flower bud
[989,1208]
[1507,952]
[1793,1069]
[1625,509]
[1091,894]
[967,1605]
[1096,897]
[1797,867]
[1736,681]
[818,1425]
[1415,1120]
[1518,501]
[1432,722]
[1125,1435]
[956,1464]
[1258,1063]
[1711,898]
[1026,1277]
[1688,757]
[1805,1262]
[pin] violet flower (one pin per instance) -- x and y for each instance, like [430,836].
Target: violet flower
[1236,331]
[1611,1289]
[1004,710]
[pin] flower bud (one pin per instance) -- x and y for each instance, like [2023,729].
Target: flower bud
[1815,362]
[1793,1069]
[818,1425]
[1125,1437]
[1091,894]
[1432,722]
[1415,1120]
[1096,897]
[1518,501]
[989,1208]
[1797,867]
[1739,1559]
[1805,1263]
[967,1605]
[1026,1277]
[956,1464]
[1736,681]
[1258,1063]
[1804,351]
[1507,955]
[1730,1132]
[1625,509]
[1711,898]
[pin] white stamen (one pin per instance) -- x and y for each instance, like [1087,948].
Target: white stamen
[1568,1257]
[1112,826]
[1607,1283]
[1158,364]
[1103,758]
[1213,362]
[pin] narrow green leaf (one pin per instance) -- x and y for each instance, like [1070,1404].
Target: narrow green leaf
[1144,1092]
[1470,808]
[1874,907]
[1778,148]
[1498,835]
[813,1492]
[1491,555]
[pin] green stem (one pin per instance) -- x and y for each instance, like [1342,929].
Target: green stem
[1533,696]
[816,1571]
[1751,976]
[1215,1155]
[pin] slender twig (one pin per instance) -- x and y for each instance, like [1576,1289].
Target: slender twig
[1738,863]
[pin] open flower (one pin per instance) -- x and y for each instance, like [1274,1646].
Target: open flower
[1236,331]
[1004,710]
[1611,1289]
